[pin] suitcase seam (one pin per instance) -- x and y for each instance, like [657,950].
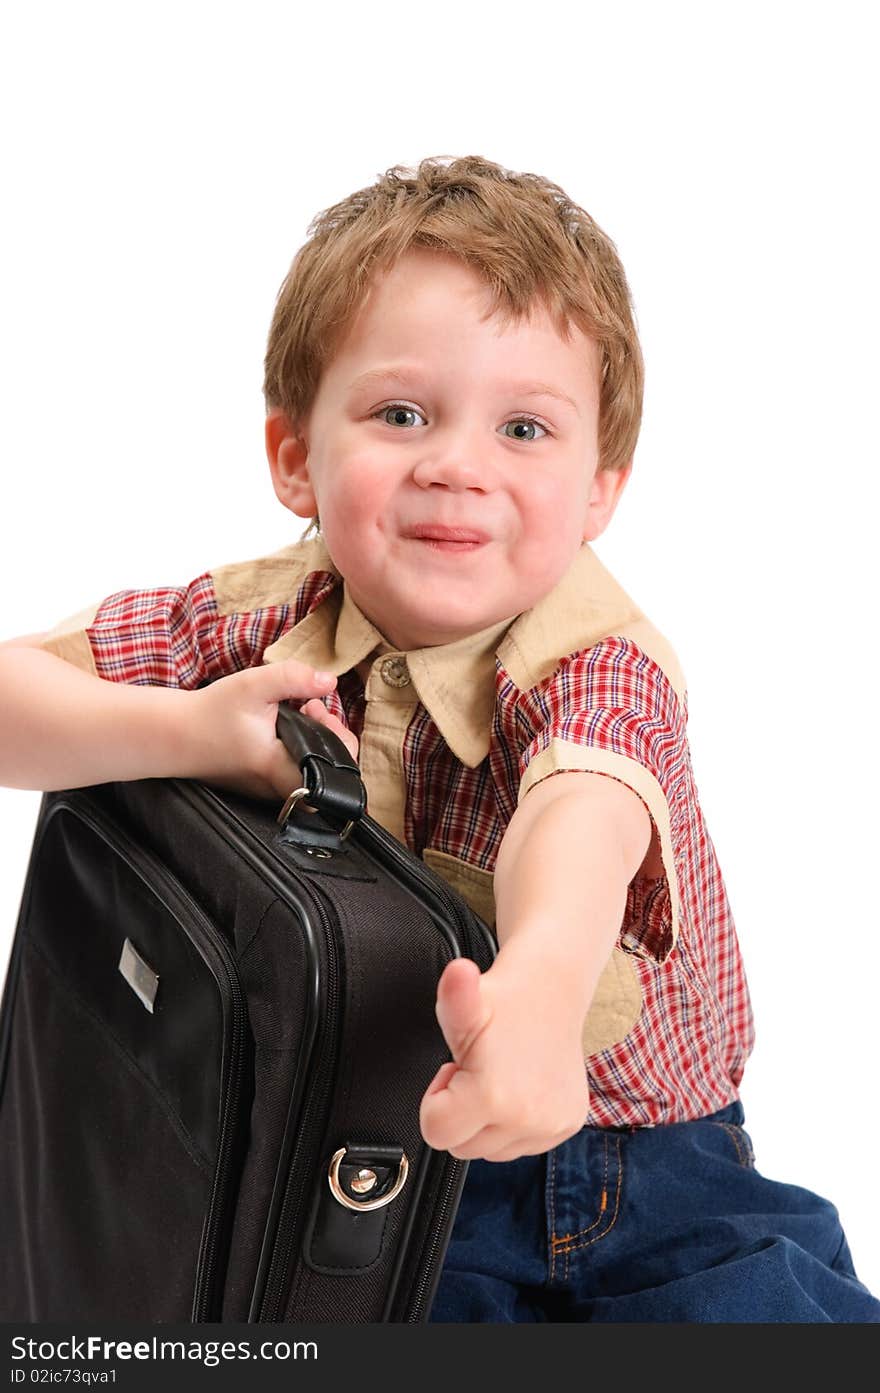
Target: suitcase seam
[242,950]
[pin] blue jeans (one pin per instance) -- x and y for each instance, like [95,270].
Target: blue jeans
[667,1223]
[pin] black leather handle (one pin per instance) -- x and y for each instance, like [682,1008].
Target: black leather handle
[328,771]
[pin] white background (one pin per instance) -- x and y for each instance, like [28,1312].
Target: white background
[161,166]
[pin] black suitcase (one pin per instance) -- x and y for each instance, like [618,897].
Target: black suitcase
[216,1031]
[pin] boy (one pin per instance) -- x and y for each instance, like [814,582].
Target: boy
[520,724]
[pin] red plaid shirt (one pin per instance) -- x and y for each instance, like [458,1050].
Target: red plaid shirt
[583,681]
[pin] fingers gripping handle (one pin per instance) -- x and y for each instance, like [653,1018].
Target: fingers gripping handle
[330,775]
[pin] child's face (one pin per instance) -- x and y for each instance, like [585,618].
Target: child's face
[442,444]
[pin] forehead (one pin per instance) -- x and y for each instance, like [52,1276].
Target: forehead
[432,309]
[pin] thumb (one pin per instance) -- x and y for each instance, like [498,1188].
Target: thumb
[293,680]
[462,1009]
[318,712]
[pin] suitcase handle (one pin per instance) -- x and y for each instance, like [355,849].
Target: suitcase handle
[331,779]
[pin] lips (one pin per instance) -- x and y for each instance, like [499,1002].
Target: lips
[434,532]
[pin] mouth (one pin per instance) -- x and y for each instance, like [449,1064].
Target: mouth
[454,539]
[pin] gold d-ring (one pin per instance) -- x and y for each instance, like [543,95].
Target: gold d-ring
[291,803]
[340,1195]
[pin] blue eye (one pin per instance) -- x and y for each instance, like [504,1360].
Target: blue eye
[399,410]
[525,421]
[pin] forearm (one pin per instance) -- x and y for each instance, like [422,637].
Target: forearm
[63,728]
[560,894]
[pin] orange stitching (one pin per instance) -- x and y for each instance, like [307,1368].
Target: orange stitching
[734,1135]
[744,1152]
[740,1149]
[748,1141]
[566,1237]
[748,1153]
[597,1236]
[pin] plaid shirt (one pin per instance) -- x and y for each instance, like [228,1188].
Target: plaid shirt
[452,738]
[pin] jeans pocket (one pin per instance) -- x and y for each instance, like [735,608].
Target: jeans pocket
[740,1141]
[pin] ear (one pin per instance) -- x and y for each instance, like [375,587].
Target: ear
[605,491]
[288,455]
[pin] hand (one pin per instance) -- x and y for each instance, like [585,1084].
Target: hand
[516,1084]
[232,727]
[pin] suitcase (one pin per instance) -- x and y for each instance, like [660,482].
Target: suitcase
[216,1030]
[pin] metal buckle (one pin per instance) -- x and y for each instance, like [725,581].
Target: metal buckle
[291,803]
[359,1205]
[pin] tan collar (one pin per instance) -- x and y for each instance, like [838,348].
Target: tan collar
[456,681]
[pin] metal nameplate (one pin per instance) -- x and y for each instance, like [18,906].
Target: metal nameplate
[143,981]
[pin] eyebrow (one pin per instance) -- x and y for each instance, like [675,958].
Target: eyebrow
[402,376]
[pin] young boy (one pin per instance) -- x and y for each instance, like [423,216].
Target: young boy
[454,387]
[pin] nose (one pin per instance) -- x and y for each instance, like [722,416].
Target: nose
[458,459]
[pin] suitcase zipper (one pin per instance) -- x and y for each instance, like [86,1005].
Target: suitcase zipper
[434,1255]
[431,885]
[412,869]
[449,915]
[302,1160]
[407,870]
[317,1062]
[215,952]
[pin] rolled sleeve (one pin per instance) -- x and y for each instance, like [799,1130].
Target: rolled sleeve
[160,637]
[70,640]
[611,710]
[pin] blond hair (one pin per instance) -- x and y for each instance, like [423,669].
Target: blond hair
[519,233]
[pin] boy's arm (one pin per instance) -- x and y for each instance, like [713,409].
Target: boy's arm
[569,853]
[64,728]
[516,1084]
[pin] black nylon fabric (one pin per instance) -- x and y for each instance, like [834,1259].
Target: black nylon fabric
[111,1118]
[102,1194]
[274,972]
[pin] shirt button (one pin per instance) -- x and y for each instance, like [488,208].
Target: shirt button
[394,672]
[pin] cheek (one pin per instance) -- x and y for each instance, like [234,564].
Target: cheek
[353,503]
[540,566]
[552,505]
[551,516]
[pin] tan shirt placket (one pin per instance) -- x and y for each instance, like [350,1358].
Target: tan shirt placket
[391,700]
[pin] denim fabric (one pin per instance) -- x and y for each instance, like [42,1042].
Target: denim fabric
[667,1223]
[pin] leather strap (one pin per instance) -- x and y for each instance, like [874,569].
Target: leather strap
[328,771]
[339,1240]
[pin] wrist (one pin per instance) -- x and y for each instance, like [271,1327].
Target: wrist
[551,978]
[172,731]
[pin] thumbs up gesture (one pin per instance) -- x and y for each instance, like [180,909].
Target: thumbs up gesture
[516,1084]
